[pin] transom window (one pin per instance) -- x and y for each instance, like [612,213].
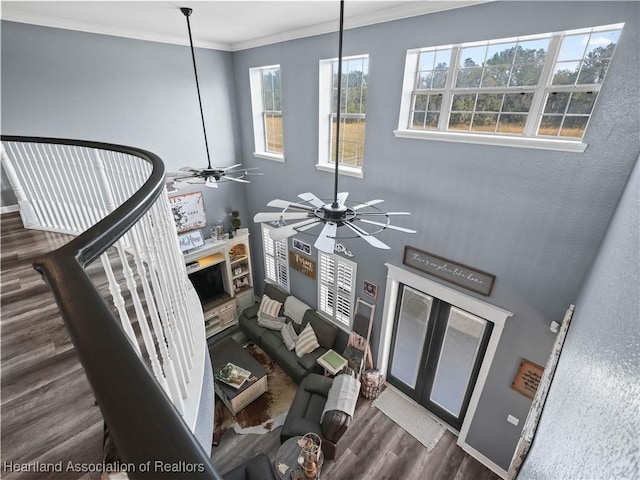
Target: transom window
[543,86]
[353,107]
[266,102]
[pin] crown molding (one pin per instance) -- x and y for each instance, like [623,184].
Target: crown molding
[387,15]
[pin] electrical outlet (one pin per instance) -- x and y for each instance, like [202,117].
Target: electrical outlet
[513,420]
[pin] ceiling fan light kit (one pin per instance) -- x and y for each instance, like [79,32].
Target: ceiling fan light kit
[210,176]
[336,214]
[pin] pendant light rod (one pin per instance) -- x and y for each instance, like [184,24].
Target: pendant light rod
[187,13]
[339,106]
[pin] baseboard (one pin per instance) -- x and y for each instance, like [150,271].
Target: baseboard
[9,209]
[483,460]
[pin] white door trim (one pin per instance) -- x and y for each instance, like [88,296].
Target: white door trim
[498,316]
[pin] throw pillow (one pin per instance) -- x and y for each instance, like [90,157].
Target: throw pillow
[269,306]
[307,341]
[289,336]
[269,321]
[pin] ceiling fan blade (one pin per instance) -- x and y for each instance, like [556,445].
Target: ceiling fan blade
[326,241]
[225,169]
[342,197]
[274,216]
[312,199]
[392,227]
[211,183]
[189,169]
[286,204]
[367,204]
[289,230]
[371,240]
[385,213]
[179,185]
[237,179]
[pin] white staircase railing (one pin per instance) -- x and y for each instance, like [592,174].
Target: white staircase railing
[68,189]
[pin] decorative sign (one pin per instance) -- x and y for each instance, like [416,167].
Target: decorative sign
[301,246]
[340,248]
[528,378]
[456,273]
[188,211]
[370,289]
[191,240]
[302,264]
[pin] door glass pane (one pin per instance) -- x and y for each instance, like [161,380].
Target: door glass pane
[460,346]
[412,328]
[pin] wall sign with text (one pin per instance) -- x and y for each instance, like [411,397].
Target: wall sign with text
[188,211]
[302,264]
[528,378]
[453,272]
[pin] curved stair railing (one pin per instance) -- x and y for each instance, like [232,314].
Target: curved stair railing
[138,326]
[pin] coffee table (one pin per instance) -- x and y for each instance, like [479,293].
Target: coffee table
[235,400]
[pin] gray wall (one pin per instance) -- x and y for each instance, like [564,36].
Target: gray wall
[590,424]
[67,84]
[533,218]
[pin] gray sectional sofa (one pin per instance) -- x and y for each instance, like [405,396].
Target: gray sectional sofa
[271,340]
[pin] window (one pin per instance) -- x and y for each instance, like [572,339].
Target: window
[276,259]
[266,104]
[535,91]
[336,290]
[353,106]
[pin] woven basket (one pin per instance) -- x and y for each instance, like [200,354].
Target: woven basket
[372,381]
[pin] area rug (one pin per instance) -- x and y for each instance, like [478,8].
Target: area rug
[265,413]
[411,417]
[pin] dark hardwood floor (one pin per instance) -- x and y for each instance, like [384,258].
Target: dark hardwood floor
[49,413]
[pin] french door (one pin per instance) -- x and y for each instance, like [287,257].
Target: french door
[436,353]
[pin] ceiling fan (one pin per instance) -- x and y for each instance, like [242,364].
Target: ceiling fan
[339,212]
[209,176]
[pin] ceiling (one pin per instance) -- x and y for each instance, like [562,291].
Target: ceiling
[224,25]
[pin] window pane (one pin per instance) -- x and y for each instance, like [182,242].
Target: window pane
[484,122]
[439,79]
[496,76]
[501,54]
[268,101]
[533,51]
[418,120]
[565,73]
[550,125]
[351,141]
[573,47]
[469,77]
[602,44]
[593,71]
[512,123]
[526,75]
[574,126]
[435,102]
[489,102]
[421,101]
[464,102]
[443,57]
[459,121]
[557,102]
[426,60]
[432,120]
[472,56]
[517,102]
[424,80]
[582,102]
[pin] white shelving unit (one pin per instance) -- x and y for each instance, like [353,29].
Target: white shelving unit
[237,278]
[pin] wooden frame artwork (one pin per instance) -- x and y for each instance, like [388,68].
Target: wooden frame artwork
[528,378]
[188,211]
[301,246]
[370,289]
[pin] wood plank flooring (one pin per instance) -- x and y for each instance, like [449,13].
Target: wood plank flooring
[49,415]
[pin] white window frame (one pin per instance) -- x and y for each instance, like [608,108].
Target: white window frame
[257,110]
[324,124]
[328,288]
[276,259]
[529,139]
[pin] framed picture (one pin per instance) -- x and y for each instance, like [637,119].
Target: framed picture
[370,289]
[237,271]
[191,240]
[302,246]
[188,211]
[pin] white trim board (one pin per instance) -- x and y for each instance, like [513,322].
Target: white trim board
[498,316]
[9,209]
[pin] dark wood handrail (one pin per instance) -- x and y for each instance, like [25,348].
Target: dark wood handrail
[148,431]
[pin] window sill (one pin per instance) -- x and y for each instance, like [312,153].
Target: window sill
[342,170]
[498,140]
[276,157]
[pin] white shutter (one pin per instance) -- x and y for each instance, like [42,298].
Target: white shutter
[276,261]
[336,290]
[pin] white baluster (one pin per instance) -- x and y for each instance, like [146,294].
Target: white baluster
[49,191]
[27,212]
[83,219]
[63,177]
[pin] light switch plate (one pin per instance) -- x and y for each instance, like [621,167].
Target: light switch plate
[513,420]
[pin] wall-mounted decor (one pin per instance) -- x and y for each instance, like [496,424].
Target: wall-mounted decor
[370,289]
[340,248]
[304,247]
[302,264]
[453,272]
[191,240]
[188,211]
[528,378]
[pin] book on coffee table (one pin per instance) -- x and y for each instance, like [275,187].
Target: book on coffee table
[232,375]
[332,362]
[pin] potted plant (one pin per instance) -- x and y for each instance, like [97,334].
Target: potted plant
[235,220]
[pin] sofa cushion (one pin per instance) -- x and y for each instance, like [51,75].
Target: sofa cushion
[269,321]
[276,293]
[269,306]
[289,335]
[307,341]
[326,332]
[251,328]
[271,341]
[310,360]
[288,360]
[252,311]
